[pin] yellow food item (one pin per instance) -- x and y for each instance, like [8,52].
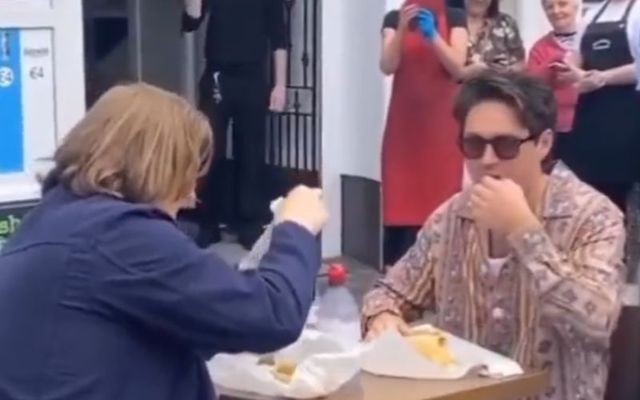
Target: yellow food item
[283,370]
[432,344]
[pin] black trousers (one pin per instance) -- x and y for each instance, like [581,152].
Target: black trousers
[233,192]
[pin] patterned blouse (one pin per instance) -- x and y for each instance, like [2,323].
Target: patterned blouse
[498,43]
[554,303]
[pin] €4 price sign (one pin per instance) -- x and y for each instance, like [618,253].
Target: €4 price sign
[27,97]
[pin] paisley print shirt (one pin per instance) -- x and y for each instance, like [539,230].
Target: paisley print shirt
[553,305]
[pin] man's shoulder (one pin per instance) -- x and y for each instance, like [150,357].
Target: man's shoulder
[578,197]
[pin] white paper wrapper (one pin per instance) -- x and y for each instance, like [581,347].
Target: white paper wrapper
[324,365]
[392,355]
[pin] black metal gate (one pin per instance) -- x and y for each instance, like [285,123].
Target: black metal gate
[293,137]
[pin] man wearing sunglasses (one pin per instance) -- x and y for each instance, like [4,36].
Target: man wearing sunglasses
[527,261]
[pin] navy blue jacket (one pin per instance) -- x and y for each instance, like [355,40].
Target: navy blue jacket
[101,299]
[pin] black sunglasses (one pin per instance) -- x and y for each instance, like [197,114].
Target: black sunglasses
[505,147]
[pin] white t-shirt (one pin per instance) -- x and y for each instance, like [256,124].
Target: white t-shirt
[494,265]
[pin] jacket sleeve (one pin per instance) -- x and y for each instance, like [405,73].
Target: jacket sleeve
[407,289]
[191,20]
[579,288]
[155,276]
[277,25]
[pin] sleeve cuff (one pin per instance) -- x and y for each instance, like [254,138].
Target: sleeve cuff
[376,304]
[308,241]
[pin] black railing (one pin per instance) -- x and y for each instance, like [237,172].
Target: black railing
[293,136]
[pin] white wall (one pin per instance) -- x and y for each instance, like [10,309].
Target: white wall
[65,18]
[531,19]
[352,100]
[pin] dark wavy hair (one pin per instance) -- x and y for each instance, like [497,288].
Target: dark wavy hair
[529,97]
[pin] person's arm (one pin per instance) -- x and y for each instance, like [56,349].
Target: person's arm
[154,276]
[579,289]
[392,37]
[279,44]
[192,20]
[407,290]
[473,69]
[391,51]
[452,55]
[623,75]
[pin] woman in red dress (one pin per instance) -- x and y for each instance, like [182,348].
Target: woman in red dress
[421,164]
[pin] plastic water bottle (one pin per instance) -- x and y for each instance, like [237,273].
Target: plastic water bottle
[338,314]
[262,245]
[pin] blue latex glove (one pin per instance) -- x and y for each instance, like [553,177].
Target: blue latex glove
[427,23]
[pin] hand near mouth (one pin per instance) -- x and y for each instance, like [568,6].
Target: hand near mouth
[499,204]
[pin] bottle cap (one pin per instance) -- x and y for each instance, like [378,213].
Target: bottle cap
[337,274]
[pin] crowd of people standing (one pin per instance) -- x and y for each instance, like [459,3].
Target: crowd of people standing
[431,46]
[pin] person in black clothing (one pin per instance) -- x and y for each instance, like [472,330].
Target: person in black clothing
[603,147]
[234,89]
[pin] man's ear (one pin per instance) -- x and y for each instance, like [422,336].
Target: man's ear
[545,143]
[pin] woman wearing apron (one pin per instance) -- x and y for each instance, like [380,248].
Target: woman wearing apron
[421,164]
[603,149]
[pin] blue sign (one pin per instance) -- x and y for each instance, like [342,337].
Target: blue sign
[11,119]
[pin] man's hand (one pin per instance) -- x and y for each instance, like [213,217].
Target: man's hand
[407,14]
[384,322]
[278,98]
[500,205]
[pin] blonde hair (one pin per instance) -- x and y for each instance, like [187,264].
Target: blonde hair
[138,142]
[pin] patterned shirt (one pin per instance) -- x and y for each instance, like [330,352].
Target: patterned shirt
[552,306]
[497,43]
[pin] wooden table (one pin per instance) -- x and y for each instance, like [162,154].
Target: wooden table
[370,387]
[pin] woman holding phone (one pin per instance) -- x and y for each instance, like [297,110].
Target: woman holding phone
[423,47]
[547,59]
[494,39]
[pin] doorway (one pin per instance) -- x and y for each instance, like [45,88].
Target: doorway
[136,40]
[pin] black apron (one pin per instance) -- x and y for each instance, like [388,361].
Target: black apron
[605,143]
